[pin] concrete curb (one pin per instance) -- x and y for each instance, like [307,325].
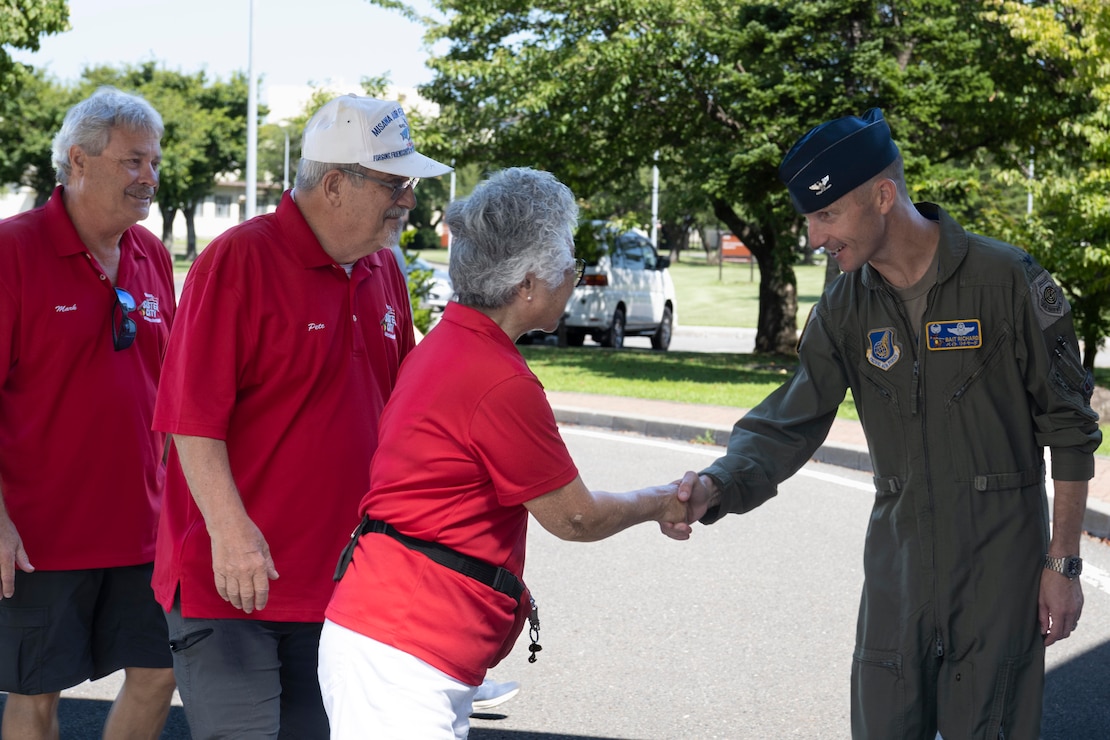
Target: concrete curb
[854,457]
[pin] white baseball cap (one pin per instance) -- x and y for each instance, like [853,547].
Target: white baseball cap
[367,131]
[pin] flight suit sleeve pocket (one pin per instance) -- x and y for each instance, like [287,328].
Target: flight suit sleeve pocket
[1068,376]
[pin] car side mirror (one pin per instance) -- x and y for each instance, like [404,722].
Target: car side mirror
[662,263]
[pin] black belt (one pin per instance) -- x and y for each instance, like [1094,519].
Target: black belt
[499,579]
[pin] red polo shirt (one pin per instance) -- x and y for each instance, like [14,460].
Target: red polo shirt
[80,469]
[289,361]
[466,439]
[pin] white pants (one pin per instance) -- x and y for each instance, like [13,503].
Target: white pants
[374,690]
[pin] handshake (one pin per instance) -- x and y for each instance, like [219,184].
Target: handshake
[687,500]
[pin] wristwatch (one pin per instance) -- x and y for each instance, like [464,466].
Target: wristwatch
[1070,567]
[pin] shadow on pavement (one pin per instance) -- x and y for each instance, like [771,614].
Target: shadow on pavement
[1075,704]
[1074,707]
[83,719]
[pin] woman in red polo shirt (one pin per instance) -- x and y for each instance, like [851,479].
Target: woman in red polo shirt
[429,596]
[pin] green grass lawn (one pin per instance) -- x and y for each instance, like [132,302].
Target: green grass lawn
[722,379]
[728,294]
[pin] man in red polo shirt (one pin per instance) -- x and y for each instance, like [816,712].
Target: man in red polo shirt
[292,328]
[86,301]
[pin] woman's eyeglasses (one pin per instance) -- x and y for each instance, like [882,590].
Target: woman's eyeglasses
[123,329]
[579,271]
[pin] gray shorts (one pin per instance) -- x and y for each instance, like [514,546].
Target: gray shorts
[248,677]
[64,627]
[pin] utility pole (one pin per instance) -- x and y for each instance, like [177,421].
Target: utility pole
[252,121]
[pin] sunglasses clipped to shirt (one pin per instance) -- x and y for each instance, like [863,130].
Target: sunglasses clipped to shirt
[123,328]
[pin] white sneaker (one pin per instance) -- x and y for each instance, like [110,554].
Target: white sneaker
[491,693]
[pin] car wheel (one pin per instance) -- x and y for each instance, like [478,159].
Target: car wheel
[661,339]
[615,336]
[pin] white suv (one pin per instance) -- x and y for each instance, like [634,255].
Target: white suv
[626,290]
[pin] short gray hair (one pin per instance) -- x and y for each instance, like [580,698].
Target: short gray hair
[310,173]
[89,125]
[519,220]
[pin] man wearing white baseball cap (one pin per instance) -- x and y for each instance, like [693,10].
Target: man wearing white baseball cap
[292,328]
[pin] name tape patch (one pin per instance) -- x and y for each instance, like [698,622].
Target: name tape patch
[964,334]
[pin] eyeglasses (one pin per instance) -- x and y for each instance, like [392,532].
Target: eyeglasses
[398,190]
[579,271]
[123,331]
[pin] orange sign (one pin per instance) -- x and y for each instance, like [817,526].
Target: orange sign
[731,246]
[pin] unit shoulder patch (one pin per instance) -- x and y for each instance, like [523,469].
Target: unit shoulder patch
[1051,303]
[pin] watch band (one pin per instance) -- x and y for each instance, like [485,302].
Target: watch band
[1070,566]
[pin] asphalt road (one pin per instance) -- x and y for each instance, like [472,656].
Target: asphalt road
[745,631]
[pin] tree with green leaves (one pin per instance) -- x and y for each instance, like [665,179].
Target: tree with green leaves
[591,89]
[28,122]
[1067,226]
[29,101]
[22,25]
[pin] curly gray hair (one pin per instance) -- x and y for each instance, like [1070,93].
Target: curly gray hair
[89,124]
[516,222]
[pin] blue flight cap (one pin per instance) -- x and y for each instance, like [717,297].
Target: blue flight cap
[836,157]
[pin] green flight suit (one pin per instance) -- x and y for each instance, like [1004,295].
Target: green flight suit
[956,423]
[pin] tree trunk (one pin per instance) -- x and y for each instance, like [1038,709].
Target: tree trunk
[1091,342]
[777,329]
[676,236]
[168,216]
[777,326]
[190,211]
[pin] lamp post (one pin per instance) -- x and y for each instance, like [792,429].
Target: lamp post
[252,122]
[655,201]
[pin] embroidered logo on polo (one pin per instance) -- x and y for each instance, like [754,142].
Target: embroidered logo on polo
[963,334]
[389,322]
[884,350]
[148,309]
[821,186]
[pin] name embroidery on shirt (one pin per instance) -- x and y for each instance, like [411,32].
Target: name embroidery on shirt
[884,351]
[65,309]
[389,322]
[963,334]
